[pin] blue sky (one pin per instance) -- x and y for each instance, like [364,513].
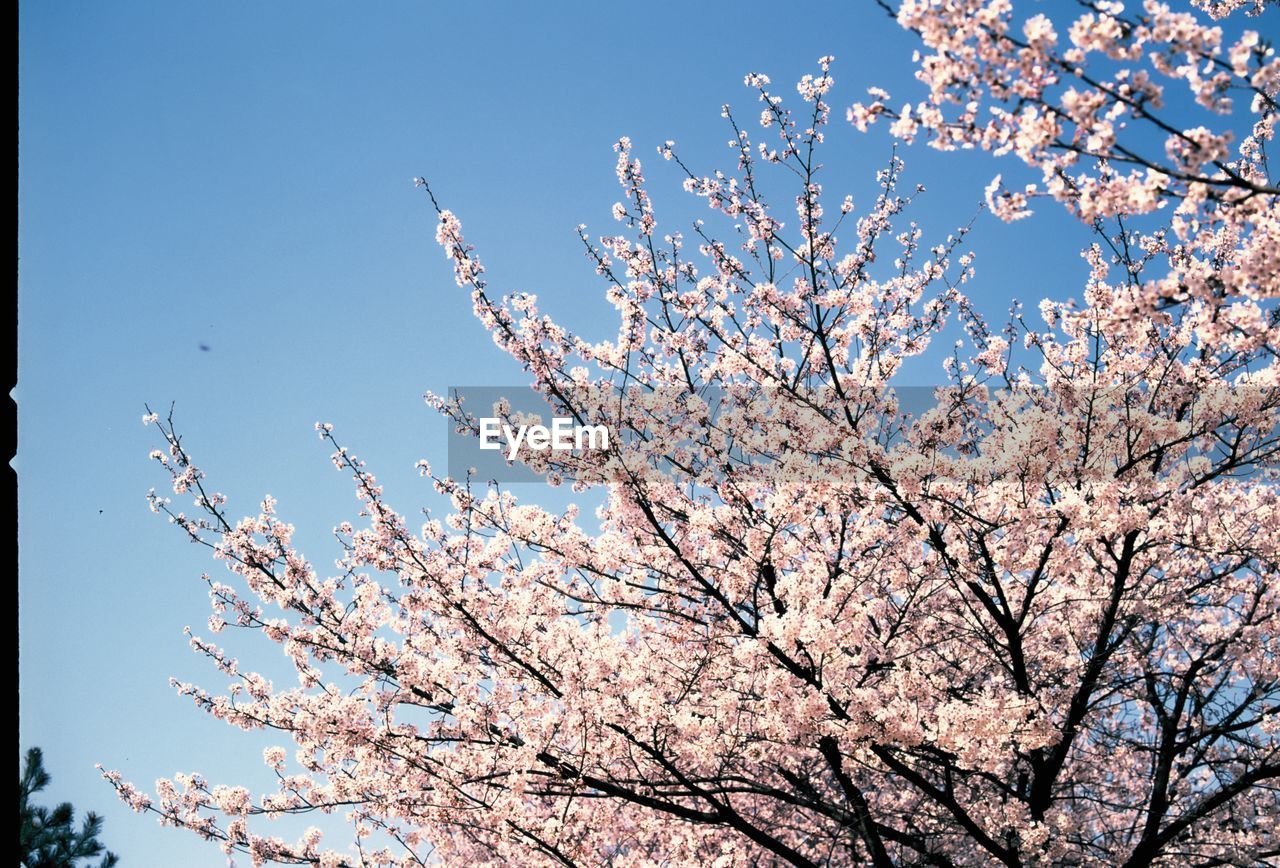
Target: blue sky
[239,175]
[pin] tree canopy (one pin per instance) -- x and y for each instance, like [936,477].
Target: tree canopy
[1033,623]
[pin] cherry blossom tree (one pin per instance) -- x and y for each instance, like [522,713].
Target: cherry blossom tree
[1034,622]
[1094,113]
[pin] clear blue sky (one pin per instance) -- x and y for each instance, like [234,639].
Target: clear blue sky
[239,175]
